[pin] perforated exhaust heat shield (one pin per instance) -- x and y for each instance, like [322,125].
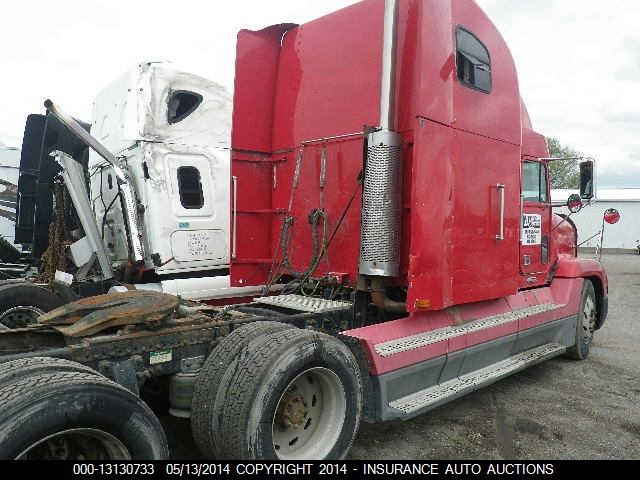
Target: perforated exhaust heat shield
[381,206]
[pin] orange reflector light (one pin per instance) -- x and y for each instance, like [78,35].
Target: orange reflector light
[422,303]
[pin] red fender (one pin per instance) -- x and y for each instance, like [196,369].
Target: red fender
[573,267]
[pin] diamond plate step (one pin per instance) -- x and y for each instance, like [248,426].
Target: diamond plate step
[303,304]
[432,396]
[393,347]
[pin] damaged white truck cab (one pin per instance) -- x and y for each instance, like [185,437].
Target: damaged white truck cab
[156,213]
[170,131]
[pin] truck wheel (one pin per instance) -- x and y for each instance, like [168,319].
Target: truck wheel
[24,367]
[295,395]
[21,303]
[8,253]
[76,416]
[586,324]
[208,396]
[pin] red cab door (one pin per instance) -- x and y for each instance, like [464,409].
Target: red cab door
[535,223]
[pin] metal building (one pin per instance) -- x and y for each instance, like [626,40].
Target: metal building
[623,236]
[9,167]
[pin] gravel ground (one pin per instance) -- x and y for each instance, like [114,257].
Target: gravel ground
[561,409]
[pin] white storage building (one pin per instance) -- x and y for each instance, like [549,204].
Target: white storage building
[624,235]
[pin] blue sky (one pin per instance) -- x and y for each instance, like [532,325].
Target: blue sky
[577,59]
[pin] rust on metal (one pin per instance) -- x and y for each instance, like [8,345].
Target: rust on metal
[292,410]
[54,257]
[95,314]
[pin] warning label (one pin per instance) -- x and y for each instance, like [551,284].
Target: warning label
[531,229]
[198,244]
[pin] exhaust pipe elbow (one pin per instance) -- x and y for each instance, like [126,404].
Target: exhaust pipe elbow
[383,302]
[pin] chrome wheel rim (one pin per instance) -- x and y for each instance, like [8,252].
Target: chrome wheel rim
[589,313]
[20,316]
[77,444]
[309,416]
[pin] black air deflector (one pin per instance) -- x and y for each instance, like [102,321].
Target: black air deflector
[42,135]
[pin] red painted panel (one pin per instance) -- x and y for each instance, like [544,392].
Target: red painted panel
[467,313]
[329,76]
[435,62]
[566,291]
[328,83]
[482,266]
[564,237]
[572,267]
[253,219]
[534,145]
[518,301]
[537,269]
[380,333]
[410,79]
[322,79]
[455,218]
[563,291]
[343,166]
[544,295]
[256,69]
[497,114]
[431,217]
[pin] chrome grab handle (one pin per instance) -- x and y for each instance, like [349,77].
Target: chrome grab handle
[501,189]
[235,216]
[521,216]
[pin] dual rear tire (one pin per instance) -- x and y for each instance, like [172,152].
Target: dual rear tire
[57,409]
[284,394]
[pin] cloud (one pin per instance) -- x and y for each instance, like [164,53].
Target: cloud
[70,50]
[626,118]
[578,70]
[577,59]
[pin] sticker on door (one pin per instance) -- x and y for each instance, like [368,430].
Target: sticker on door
[198,245]
[531,229]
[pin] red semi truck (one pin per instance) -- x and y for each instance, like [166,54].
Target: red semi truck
[387,179]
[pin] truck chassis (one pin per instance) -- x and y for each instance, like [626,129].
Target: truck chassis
[299,364]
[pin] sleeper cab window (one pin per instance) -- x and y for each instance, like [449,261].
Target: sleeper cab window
[190,188]
[534,182]
[181,104]
[473,61]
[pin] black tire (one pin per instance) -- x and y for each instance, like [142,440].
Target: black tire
[586,323]
[8,253]
[209,391]
[33,299]
[24,367]
[268,385]
[91,416]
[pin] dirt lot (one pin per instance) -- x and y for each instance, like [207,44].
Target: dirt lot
[561,409]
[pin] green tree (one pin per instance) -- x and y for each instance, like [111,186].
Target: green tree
[564,173]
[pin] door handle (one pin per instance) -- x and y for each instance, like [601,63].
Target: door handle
[501,189]
[235,217]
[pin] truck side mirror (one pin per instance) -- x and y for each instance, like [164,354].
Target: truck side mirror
[612,216]
[586,180]
[574,203]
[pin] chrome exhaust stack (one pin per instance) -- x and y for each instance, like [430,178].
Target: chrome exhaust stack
[388,83]
[381,200]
